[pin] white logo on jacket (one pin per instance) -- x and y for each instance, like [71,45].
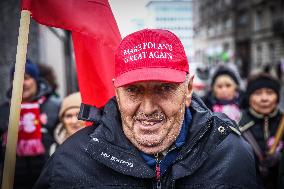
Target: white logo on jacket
[115,159]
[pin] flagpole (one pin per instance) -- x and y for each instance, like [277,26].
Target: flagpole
[12,137]
[278,136]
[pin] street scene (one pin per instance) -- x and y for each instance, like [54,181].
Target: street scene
[142,94]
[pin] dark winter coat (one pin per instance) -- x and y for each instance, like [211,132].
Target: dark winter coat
[28,168]
[254,123]
[101,156]
[257,124]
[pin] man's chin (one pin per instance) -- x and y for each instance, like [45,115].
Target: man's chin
[150,146]
[150,149]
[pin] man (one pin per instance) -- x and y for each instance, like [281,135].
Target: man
[156,133]
[38,118]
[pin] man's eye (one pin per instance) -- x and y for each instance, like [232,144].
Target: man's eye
[167,88]
[132,89]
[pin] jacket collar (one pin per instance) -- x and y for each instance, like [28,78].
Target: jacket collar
[261,116]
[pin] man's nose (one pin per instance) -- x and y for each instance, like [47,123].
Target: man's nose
[148,105]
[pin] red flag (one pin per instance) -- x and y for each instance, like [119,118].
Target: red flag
[95,37]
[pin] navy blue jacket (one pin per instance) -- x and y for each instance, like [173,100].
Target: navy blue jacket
[100,156]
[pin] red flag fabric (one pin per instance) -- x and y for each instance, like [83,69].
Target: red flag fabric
[95,37]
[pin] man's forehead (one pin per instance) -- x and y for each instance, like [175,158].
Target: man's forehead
[151,83]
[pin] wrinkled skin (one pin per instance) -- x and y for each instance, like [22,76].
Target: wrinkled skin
[152,113]
[71,122]
[224,88]
[29,88]
[263,101]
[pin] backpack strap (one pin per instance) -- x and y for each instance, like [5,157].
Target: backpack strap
[251,140]
[246,126]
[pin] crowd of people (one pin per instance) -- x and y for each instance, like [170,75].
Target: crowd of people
[257,113]
[45,122]
[156,132]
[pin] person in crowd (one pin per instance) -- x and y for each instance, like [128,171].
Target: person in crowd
[38,118]
[225,95]
[155,133]
[68,116]
[260,122]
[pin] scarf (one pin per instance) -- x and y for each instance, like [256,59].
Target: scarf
[29,135]
[229,107]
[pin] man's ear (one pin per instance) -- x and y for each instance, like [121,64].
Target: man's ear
[189,91]
[116,94]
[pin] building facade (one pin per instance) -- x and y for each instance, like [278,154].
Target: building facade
[175,16]
[267,40]
[213,30]
[248,33]
[49,46]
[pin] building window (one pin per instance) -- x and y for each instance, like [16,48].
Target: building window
[228,2]
[259,55]
[210,31]
[219,28]
[258,20]
[227,23]
[272,13]
[226,47]
[272,55]
[243,19]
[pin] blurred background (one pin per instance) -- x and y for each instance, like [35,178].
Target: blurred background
[246,34]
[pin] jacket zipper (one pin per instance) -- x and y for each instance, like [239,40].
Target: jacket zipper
[158,172]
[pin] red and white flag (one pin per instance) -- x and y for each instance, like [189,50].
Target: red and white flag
[95,37]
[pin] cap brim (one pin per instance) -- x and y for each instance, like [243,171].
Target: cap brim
[150,74]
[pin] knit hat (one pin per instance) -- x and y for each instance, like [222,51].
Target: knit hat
[224,71]
[30,68]
[72,101]
[262,80]
[150,55]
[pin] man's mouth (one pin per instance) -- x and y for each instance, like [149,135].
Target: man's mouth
[152,122]
[148,126]
[149,122]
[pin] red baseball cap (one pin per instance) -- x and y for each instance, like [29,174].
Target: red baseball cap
[150,55]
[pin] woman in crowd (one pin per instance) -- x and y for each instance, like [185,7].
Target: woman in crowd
[225,95]
[38,119]
[69,123]
[259,124]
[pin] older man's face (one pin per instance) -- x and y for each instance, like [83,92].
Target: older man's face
[152,113]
